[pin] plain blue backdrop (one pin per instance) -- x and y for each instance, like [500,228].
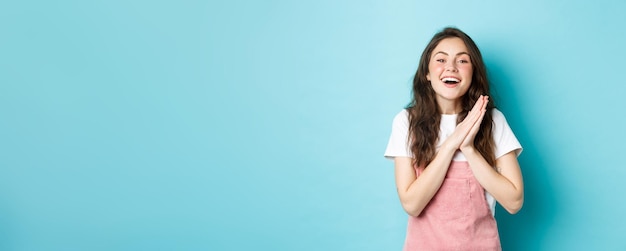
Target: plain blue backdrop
[261,125]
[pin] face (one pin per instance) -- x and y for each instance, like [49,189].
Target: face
[450,70]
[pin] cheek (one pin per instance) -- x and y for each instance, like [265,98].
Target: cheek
[467,70]
[434,69]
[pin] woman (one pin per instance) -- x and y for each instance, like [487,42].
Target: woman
[454,153]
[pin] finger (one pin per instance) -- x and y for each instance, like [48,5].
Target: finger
[476,114]
[474,130]
[473,114]
[478,104]
[470,119]
[485,102]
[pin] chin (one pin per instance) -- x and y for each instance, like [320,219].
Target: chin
[451,96]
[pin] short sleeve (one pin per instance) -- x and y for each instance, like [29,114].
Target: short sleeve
[503,136]
[398,145]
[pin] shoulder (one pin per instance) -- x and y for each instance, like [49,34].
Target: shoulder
[503,135]
[401,117]
[498,117]
[497,114]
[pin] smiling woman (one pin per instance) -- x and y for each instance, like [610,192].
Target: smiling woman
[454,153]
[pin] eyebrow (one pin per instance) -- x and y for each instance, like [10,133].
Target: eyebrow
[460,53]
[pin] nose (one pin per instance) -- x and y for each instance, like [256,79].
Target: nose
[451,66]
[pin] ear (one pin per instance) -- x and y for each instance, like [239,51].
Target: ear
[428,76]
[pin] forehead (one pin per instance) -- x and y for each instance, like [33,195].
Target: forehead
[451,46]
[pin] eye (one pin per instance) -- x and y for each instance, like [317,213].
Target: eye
[440,60]
[463,61]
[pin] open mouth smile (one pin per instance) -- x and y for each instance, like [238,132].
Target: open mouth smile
[450,81]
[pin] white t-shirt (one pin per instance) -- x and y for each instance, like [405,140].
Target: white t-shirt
[504,139]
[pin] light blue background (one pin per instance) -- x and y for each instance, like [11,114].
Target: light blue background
[260,125]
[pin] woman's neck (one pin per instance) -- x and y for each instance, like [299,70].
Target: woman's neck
[450,106]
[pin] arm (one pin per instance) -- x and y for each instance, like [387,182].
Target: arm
[506,185]
[416,191]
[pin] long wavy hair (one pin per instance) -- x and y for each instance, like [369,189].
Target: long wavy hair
[425,114]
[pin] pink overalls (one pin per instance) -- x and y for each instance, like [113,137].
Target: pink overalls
[456,218]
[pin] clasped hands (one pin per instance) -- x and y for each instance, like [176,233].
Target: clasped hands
[463,136]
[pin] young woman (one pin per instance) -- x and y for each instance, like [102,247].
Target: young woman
[454,153]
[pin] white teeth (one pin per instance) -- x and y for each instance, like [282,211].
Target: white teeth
[448,80]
